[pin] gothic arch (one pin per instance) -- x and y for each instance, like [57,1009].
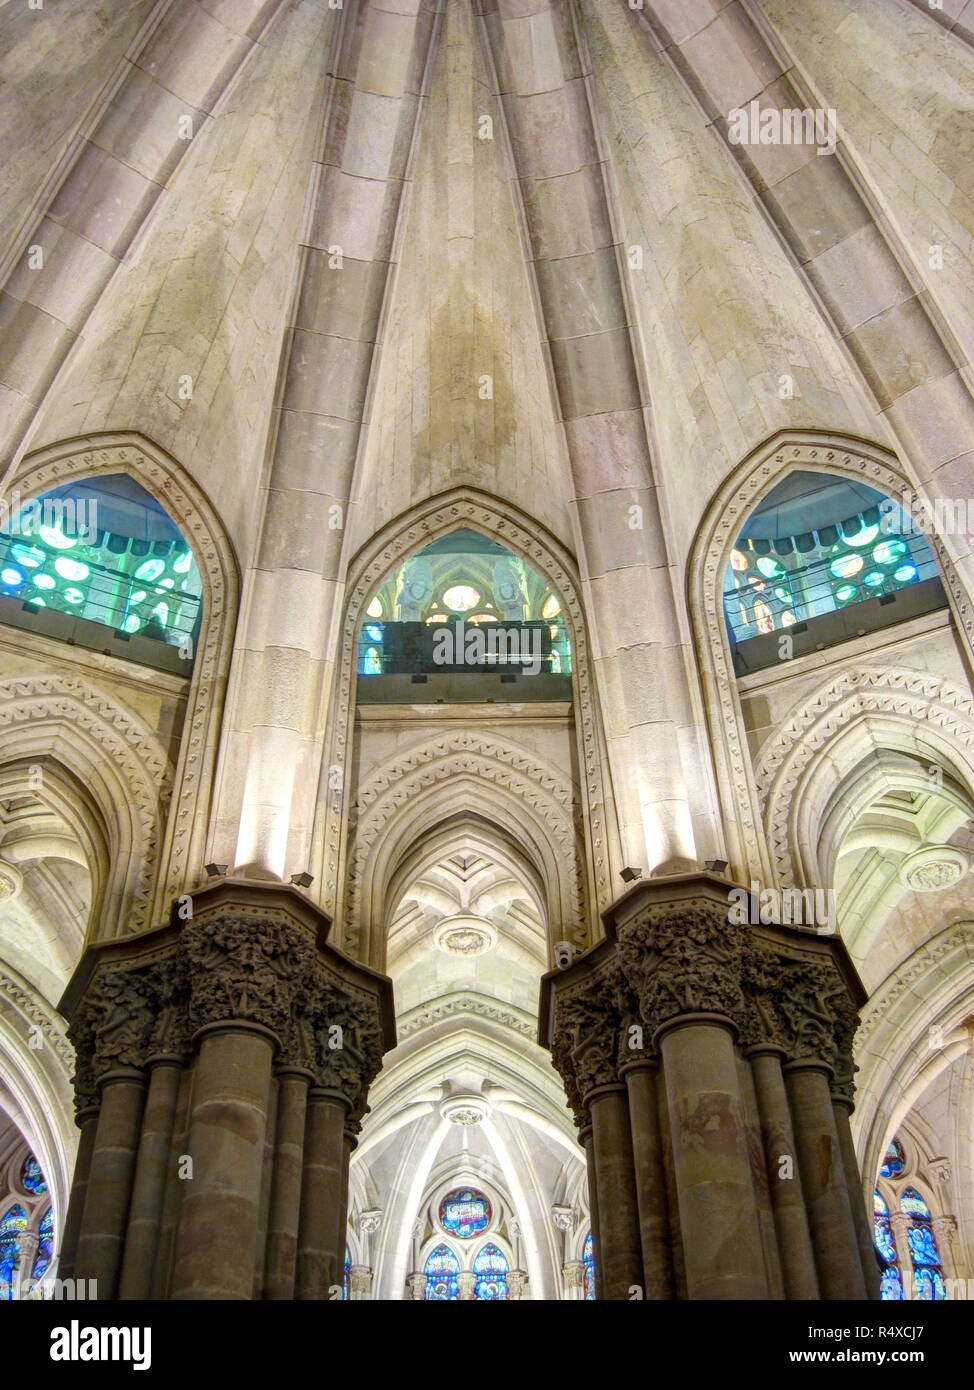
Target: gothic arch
[38,1081]
[831,733]
[402,801]
[467,507]
[932,990]
[112,762]
[183,846]
[787,452]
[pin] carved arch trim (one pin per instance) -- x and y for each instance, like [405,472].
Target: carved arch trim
[787,452]
[92,456]
[467,507]
[390,809]
[120,763]
[819,733]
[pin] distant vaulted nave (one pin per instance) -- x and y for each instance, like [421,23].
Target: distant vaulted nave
[486,649]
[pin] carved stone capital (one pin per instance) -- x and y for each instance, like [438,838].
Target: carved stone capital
[249,966]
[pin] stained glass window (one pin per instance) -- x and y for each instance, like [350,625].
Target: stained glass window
[31,1178]
[347,1273]
[490,1268]
[928,1271]
[104,550]
[588,1261]
[891,1283]
[442,1270]
[465,1213]
[45,1247]
[816,546]
[11,1228]
[894,1162]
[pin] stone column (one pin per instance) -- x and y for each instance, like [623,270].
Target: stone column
[654,1232]
[517,1283]
[151,1172]
[945,1232]
[206,1004]
[359,1283]
[468,1282]
[842,1109]
[101,1239]
[87,1121]
[827,1197]
[285,1210]
[784,1177]
[416,1284]
[900,1225]
[217,1233]
[622,1267]
[718,1212]
[320,1256]
[29,1242]
[725,1180]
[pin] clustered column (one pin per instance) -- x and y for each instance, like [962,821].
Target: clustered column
[709,1066]
[202,1046]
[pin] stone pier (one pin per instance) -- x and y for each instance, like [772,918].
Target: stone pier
[233,1032]
[709,1066]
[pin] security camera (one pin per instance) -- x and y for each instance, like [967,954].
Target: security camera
[564,952]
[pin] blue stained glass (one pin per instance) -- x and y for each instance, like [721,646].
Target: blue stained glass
[45,1248]
[347,1273]
[11,1227]
[491,1269]
[929,1285]
[928,1282]
[465,1213]
[913,1204]
[442,1270]
[588,1260]
[894,1162]
[891,1285]
[923,1249]
[31,1178]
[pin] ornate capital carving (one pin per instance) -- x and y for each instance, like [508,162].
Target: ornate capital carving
[687,955]
[245,966]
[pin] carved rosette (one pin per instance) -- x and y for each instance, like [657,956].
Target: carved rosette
[690,958]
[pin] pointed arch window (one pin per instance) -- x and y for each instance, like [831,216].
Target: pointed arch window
[491,1270]
[588,1264]
[32,1179]
[442,1270]
[12,1228]
[895,1160]
[346,1273]
[928,1270]
[891,1282]
[104,551]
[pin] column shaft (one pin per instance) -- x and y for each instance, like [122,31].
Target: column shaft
[149,1185]
[718,1213]
[865,1239]
[285,1212]
[318,1263]
[784,1177]
[647,1152]
[824,1181]
[102,1235]
[622,1264]
[217,1234]
[88,1124]
[585,1139]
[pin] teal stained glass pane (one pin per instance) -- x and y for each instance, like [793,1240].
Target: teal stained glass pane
[465,1213]
[491,1270]
[442,1270]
